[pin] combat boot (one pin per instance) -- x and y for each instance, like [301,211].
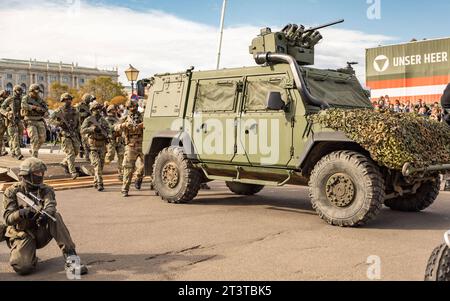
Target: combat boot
[125,194]
[138,184]
[66,167]
[73,264]
[74,176]
[100,188]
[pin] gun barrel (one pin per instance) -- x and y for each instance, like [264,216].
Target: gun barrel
[325,25]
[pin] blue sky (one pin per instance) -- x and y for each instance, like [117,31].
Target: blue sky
[404,19]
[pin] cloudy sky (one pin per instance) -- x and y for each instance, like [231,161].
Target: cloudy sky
[171,35]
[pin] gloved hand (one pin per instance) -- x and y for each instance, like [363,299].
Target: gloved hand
[42,220]
[26,213]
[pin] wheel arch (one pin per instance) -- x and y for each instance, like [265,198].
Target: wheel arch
[322,144]
[162,140]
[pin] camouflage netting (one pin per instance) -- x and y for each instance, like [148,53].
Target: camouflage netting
[392,139]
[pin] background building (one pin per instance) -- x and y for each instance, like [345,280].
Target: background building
[25,73]
[410,71]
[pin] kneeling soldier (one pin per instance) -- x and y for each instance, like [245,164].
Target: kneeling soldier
[29,228]
[97,129]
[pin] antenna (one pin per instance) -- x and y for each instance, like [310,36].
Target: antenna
[222,23]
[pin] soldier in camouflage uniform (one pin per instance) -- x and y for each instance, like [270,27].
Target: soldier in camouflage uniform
[28,230]
[132,128]
[84,111]
[117,143]
[3,128]
[34,108]
[98,132]
[68,120]
[10,109]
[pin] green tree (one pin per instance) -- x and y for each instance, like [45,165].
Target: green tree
[104,88]
[56,90]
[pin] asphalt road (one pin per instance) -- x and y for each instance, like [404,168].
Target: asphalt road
[272,236]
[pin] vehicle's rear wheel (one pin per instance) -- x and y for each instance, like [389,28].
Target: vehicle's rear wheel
[424,198]
[174,178]
[438,268]
[244,189]
[347,189]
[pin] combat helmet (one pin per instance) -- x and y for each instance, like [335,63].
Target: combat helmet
[111,108]
[96,106]
[18,89]
[88,98]
[28,171]
[66,96]
[131,103]
[35,88]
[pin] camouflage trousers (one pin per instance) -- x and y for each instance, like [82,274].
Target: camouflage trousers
[71,147]
[24,244]
[38,134]
[111,150]
[85,145]
[15,134]
[129,166]
[97,157]
[3,130]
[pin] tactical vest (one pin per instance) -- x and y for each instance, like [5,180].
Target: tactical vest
[134,136]
[113,121]
[84,111]
[34,114]
[71,118]
[98,139]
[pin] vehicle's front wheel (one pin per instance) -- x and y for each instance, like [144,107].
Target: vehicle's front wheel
[174,178]
[421,200]
[347,189]
[244,189]
[438,268]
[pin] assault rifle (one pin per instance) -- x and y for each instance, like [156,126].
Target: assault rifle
[33,203]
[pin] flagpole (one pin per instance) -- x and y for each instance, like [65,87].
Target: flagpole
[222,23]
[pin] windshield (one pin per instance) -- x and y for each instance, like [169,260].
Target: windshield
[337,89]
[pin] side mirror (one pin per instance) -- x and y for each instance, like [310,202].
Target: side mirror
[275,102]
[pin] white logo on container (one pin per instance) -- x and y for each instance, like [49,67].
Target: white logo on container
[381,63]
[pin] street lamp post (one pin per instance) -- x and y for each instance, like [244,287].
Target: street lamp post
[132,76]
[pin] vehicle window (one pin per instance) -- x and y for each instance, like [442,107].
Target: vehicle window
[215,96]
[258,89]
[337,91]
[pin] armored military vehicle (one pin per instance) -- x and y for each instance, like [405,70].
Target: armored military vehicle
[250,127]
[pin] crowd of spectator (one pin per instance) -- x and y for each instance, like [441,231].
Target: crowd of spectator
[433,111]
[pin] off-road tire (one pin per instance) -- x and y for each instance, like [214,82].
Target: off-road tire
[438,268]
[424,198]
[244,189]
[368,183]
[189,178]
